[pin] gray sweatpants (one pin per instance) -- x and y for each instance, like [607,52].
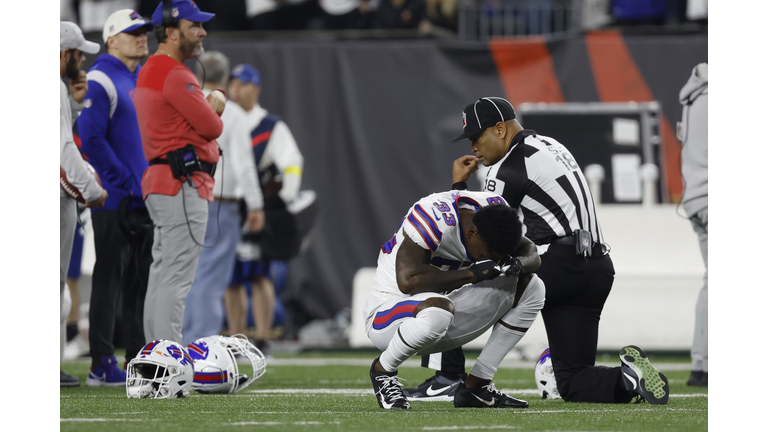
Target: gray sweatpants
[175,254]
[700,348]
[67,223]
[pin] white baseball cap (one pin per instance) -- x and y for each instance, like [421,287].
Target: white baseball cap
[71,37]
[124,20]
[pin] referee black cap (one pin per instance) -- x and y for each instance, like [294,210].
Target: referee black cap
[484,113]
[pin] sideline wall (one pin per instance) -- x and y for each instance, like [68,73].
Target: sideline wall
[659,271]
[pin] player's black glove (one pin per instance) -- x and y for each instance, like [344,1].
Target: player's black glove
[510,266]
[485,269]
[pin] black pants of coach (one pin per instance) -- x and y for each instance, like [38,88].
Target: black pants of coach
[123,243]
[576,290]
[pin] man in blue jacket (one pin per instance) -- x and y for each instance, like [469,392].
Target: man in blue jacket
[122,228]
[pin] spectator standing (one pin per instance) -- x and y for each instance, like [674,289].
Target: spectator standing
[692,132]
[122,231]
[280,165]
[399,14]
[178,124]
[72,45]
[237,175]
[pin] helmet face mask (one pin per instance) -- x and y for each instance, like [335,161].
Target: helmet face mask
[545,377]
[162,370]
[216,363]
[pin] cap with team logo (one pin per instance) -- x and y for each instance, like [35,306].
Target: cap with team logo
[246,73]
[125,20]
[484,113]
[186,9]
[71,37]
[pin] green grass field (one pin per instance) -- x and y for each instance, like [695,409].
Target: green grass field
[332,392]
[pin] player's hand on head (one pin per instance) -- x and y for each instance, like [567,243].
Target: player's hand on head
[463,167]
[79,87]
[485,269]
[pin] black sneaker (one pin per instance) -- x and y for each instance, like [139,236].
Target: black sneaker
[698,379]
[484,397]
[387,389]
[435,388]
[641,378]
[68,380]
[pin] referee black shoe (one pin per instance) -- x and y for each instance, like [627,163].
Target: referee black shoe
[387,389]
[484,396]
[434,389]
[641,378]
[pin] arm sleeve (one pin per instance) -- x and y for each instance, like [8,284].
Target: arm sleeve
[191,104]
[72,161]
[285,154]
[92,125]
[243,163]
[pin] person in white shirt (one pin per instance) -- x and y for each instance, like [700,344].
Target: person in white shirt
[280,165]
[235,177]
[72,45]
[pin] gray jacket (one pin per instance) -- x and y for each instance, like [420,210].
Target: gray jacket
[692,131]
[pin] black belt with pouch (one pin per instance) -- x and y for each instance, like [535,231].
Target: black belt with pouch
[184,161]
[582,241]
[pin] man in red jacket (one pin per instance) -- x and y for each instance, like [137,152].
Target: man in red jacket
[179,127]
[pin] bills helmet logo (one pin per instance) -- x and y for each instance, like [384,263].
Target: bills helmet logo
[134,16]
[180,355]
[198,351]
[464,120]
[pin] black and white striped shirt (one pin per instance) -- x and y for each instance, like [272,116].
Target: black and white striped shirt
[540,177]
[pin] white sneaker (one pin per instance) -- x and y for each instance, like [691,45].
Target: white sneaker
[76,348]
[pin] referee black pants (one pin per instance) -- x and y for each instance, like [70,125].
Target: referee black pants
[123,243]
[576,290]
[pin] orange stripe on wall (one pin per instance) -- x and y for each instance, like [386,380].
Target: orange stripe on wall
[618,79]
[526,70]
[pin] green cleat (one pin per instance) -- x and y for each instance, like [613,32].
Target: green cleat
[641,378]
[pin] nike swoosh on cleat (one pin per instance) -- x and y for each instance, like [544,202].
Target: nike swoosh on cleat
[632,380]
[431,392]
[491,403]
[384,404]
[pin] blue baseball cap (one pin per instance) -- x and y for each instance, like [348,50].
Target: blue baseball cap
[246,73]
[186,9]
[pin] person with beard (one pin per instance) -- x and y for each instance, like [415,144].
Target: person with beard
[179,125]
[122,235]
[72,45]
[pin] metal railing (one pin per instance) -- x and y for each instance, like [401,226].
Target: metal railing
[484,19]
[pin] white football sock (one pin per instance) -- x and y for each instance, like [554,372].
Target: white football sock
[426,328]
[503,338]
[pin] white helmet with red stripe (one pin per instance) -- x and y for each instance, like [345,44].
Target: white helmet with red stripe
[216,363]
[545,377]
[162,370]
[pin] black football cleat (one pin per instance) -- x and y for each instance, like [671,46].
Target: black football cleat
[387,389]
[434,389]
[641,378]
[68,380]
[485,396]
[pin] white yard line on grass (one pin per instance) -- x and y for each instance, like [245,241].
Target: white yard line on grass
[298,423]
[362,392]
[416,363]
[102,420]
